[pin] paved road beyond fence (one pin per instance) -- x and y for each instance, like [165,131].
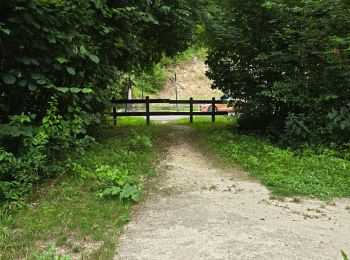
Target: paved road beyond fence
[148,113]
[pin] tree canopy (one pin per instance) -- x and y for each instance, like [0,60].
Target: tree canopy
[60,63]
[288,61]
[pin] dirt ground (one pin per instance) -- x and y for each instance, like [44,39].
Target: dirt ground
[201,210]
[191,80]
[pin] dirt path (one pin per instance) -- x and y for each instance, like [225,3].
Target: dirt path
[200,211]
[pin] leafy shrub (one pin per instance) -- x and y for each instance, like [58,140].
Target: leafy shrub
[128,191]
[112,181]
[116,182]
[36,153]
[153,80]
[140,141]
[330,130]
[120,177]
[289,62]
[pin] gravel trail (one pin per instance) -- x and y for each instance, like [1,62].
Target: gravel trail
[199,210]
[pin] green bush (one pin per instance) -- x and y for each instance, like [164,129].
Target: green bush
[153,80]
[118,180]
[289,62]
[60,62]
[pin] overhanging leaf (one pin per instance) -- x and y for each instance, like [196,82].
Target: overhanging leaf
[62,59]
[41,81]
[50,86]
[6,31]
[75,90]
[70,70]
[32,87]
[94,58]
[87,90]
[63,90]
[34,61]
[9,79]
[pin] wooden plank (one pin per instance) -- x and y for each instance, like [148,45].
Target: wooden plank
[166,101]
[141,101]
[147,111]
[191,110]
[213,110]
[170,113]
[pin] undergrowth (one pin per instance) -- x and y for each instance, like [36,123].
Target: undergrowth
[82,211]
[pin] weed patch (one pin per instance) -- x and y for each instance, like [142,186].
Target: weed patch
[282,171]
[83,211]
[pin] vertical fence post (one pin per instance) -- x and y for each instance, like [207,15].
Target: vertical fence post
[191,110]
[147,110]
[213,110]
[114,112]
[177,98]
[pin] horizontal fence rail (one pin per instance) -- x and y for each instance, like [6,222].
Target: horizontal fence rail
[148,113]
[165,101]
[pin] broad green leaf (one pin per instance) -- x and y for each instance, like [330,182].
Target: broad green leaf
[94,58]
[9,79]
[34,61]
[6,31]
[50,86]
[32,87]
[36,76]
[83,50]
[75,90]
[87,90]
[61,59]
[70,70]
[63,90]
[41,81]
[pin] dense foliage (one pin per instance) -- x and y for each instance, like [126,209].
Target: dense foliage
[289,62]
[60,62]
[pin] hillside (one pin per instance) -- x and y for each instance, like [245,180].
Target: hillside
[191,81]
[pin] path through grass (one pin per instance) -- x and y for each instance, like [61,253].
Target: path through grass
[282,171]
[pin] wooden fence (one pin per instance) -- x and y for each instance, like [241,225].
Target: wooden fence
[148,113]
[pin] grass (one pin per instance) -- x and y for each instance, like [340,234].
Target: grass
[67,213]
[282,171]
[184,57]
